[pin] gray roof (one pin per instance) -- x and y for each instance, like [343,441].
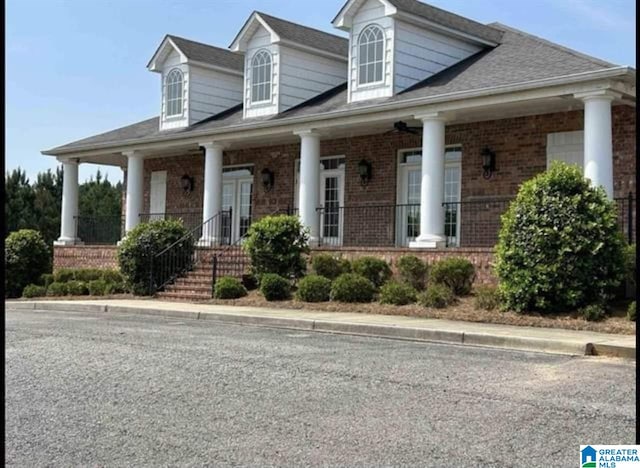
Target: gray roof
[447,19]
[209,54]
[519,58]
[307,36]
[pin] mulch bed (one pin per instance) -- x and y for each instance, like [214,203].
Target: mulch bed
[463,310]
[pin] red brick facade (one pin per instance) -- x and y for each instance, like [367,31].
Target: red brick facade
[85,256]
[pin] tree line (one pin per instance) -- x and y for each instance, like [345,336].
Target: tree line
[38,205]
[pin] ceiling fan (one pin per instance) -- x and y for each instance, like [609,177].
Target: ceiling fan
[402,127]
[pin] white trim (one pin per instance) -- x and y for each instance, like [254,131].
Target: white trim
[239,43]
[529,90]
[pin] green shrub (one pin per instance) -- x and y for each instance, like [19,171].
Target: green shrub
[57,289]
[397,293]
[345,265]
[413,271]
[87,274]
[140,246]
[630,254]
[437,296]
[26,258]
[486,297]
[46,279]
[64,275]
[593,312]
[114,288]
[314,288]
[327,265]
[274,287]
[97,287]
[631,311]
[276,244]
[455,273]
[559,246]
[111,276]
[228,288]
[374,269]
[351,287]
[34,290]
[77,288]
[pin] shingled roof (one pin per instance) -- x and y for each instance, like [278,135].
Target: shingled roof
[519,58]
[307,36]
[209,54]
[447,19]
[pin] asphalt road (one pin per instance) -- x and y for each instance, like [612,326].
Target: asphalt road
[116,390]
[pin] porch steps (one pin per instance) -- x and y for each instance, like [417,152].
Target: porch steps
[196,285]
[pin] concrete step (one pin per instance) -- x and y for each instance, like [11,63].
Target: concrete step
[177,296]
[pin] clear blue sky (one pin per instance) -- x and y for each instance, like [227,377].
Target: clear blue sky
[77,67]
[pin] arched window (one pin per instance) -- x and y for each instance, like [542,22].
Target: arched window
[261,76]
[174,92]
[370,55]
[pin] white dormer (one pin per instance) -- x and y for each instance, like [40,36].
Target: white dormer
[394,44]
[287,64]
[198,81]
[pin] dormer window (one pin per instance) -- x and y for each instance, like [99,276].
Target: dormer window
[174,93]
[370,55]
[261,77]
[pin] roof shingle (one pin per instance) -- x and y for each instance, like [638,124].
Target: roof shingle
[209,54]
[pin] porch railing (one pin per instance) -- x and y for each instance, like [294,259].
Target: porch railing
[100,230]
[190,219]
[474,223]
[627,216]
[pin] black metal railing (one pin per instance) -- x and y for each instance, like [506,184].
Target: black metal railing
[474,223]
[190,219]
[100,230]
[182,256]
[626,216]
[384,225]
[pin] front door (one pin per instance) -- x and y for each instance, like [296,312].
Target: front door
[237,197]
[332,201]
[158,195]
[408,209]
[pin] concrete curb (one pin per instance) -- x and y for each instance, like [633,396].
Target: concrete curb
[554,346]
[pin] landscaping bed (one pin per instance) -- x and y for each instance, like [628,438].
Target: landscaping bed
[463,310]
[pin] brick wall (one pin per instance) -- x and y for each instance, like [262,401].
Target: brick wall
[519,143]
[482,258]
[85,256]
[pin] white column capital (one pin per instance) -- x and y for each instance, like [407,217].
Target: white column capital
[604,94]
[73,161]
[213,145]
[307,133]
[429,116]
[132,154]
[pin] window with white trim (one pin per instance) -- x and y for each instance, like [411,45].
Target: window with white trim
[370,55]
[174,91]
[261,76]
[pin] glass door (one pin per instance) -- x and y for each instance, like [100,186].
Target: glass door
[331,200]
[408,209]
[237,197]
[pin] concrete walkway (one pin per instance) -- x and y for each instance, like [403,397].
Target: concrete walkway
[548,340]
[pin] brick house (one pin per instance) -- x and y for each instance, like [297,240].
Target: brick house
[411,132]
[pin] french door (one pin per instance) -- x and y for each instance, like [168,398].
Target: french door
[237,196]
[332,201]
[409,187]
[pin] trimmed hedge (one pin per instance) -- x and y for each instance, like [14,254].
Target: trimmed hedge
[97,287]
[77,288]
[314,288]
[34,290]
[274,287]
[26,258]
[46,279]
[57,289]
[593,312]
[437,296]
[412,271]
[228,288]
[277,244]
[329,266]
[631,311]
[142,244]
[374,269]
[351,287]
[559,246]
[457,274]
[64,275]
[397,293]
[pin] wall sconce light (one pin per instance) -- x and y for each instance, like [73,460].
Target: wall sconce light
[364,171]
[488,162]
[187,182]
[267,179]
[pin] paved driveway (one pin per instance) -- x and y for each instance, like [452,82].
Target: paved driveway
[116,390]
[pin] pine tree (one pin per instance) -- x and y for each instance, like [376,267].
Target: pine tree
[18,202]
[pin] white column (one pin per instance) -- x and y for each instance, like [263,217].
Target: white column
[135,189]
[598,145]
[69,215]
[212,195]
[308,196]
[432,184]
